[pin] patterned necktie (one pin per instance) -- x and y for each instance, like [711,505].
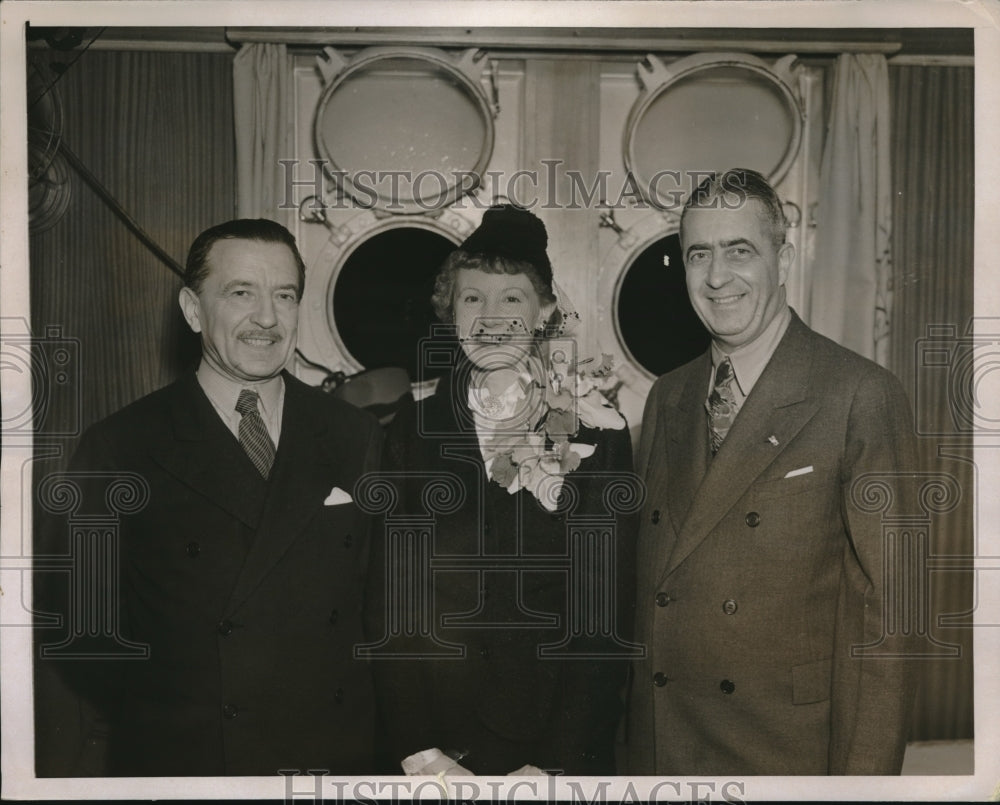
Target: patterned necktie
[253,433]
[721,405]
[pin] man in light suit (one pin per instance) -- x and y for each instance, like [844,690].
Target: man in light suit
[242,570]
[761,581]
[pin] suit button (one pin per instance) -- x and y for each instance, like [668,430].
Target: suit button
[662,599]
[659,679]
[726,686]
[730,606]
[333,616]
[656,516]
[193,549]
[338,695]
[484,653]
[558,517]
[753,519]
[225,628]
[348,540]
[230,711]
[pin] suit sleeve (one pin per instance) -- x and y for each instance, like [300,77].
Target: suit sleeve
[371,463]
[80,728]
[873,680]
[650,415]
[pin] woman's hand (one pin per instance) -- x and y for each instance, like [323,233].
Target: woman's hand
[528,770]
[433,762]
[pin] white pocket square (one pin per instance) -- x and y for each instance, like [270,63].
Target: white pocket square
[799,471]
[336,497]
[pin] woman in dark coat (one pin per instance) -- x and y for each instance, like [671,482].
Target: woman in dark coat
[499,598]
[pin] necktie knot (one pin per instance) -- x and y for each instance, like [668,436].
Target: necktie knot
[724,373]
[247,402]
[721,405]
[254,438]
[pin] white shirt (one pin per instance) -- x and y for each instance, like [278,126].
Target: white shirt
[223,393]
[749,360]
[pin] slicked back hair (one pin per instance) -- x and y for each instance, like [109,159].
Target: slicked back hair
[262,230]
[736,187]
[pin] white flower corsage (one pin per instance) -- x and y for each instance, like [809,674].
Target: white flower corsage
[539,455]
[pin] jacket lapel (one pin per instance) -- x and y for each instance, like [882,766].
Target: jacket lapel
[687,448]
[202,453]
[777,407]
[305,470]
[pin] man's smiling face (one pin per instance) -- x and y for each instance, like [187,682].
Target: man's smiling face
[735,271]
[247,309]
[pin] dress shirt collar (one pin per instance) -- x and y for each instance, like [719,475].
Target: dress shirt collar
[224,392]
[749,360]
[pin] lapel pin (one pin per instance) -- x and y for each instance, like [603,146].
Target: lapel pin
[773,440]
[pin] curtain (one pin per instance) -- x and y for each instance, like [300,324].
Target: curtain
[262,95]
[933,182]
[851,294]
[156,129]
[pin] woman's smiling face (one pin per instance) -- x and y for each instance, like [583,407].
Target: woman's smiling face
[496,315]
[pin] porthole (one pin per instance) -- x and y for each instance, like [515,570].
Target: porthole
[404,131]
[380,302]
[654,319]
[710,112]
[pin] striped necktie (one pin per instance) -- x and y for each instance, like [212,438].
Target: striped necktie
[253,434]
[721,405]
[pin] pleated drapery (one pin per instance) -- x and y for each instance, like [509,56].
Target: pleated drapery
[851,294]
[933,214]
[262,97]
[156,129]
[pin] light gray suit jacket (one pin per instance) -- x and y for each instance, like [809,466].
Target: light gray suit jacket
[756,590]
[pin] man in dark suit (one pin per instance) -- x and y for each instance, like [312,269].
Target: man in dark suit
[241,572]
[762,575]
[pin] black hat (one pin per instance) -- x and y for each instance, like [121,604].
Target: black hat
[514,232]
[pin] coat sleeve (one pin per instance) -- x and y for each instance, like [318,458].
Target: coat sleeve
[873,679]
[402,701]
[591,691]
[79,729]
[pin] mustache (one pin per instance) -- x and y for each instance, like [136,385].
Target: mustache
[271,335]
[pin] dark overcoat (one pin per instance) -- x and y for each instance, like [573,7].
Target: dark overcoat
[247,593]
[488,655]
[763,574]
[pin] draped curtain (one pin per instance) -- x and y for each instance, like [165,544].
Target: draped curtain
[933,183]
[851,297]
[156,129]
[262,98]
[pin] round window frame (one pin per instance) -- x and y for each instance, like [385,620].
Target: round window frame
[336,71]
[657,79]
[317,324]
[617,262]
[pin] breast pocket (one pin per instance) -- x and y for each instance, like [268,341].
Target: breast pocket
[801,481]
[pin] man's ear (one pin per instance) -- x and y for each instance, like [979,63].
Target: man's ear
[786,254]
[191,308]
